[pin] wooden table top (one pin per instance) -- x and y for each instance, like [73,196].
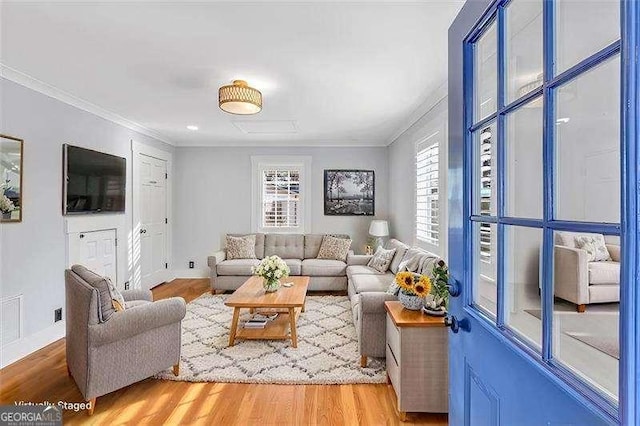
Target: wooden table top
[251,294]
[402,317]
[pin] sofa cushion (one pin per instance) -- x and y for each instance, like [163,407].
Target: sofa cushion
[259,243]
[241,247]
[295,266]
[604,273]
[287,246]
[334,248]
[401,250]
[365,283]
[237,267]
[323,268]
[312,243]
[360,269]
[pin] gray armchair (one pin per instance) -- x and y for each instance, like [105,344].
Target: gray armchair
[580,281]
[130,346]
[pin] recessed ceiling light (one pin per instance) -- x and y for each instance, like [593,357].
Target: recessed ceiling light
[192,127]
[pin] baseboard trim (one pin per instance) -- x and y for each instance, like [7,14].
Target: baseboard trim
[19,349]
[191,273]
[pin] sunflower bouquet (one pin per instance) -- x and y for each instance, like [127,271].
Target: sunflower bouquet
[413,288]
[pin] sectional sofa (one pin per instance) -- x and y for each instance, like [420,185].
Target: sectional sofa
[299,251]
[366,287]
[367,290]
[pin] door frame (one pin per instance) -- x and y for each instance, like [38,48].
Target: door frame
[473,16]
[143,149]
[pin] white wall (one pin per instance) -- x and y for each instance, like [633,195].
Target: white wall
[212,197]
[402,176]
[33,251]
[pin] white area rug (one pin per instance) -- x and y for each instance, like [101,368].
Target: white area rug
[327,350]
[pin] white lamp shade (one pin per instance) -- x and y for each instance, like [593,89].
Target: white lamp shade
[379,228]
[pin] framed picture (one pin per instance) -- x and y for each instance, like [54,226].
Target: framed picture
[349,193]
[10,178]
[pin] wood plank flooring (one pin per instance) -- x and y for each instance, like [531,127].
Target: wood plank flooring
[42,376]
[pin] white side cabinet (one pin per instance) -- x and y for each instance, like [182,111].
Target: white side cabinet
[417,360]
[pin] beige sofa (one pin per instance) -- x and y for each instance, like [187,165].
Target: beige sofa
[299,251]
[367,291]
[582,282]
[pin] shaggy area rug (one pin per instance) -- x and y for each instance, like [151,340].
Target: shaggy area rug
[327,350]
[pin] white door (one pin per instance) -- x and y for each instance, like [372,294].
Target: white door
[152,223]
[96,251]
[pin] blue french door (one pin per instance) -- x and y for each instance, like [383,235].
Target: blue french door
[544,134]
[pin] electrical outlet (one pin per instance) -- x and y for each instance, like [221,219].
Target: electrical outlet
[126,285]
[57,315]
[191,264]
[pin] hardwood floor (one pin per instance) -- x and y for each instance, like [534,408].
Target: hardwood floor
[42,376]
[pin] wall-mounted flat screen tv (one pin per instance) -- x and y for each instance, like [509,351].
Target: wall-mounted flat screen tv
[94,182]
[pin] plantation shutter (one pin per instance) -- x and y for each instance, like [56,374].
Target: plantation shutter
[427,203]
[280,198]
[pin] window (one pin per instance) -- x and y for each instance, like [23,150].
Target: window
[427,181]
[279,196]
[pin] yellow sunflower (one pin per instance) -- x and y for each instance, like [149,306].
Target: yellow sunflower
[423,286]
[405,280]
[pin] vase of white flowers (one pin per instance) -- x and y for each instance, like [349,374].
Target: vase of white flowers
[271,269]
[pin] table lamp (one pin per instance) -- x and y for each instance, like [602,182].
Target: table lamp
[379,229]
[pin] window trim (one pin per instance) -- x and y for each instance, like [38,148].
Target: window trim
[259,163]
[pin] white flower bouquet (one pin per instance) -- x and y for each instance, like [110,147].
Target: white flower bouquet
[271,269]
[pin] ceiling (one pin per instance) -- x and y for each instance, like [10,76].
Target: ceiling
[331,74]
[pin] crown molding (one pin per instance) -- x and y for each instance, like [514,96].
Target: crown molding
[432,100]
[32,83]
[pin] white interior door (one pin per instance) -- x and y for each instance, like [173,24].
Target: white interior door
[152,229]
[96,251]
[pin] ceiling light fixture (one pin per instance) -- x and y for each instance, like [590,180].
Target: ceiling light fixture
[239,98]
[192,127]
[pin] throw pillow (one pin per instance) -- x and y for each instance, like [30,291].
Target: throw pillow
[381,259]
[108,295]
[117,299]
[334,248]
[595,247]
[241,247]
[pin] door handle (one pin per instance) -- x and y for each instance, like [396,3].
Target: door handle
[81,235]
[452,322]
[143,231]
[454,287]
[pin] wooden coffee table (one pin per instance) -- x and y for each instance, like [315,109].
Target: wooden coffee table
[287,301]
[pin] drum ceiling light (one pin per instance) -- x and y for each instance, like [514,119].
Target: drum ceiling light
[239,98]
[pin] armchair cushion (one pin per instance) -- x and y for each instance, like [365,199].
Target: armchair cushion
[142,318]
[604,273]
[137,294]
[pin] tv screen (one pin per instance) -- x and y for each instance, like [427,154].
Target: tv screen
[94,182]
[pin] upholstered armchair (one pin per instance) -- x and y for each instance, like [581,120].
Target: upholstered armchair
[581,281]
[129,346]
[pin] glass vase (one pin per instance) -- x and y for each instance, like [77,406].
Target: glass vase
[271,285]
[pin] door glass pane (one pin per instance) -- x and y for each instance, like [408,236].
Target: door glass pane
[588,146]
[524,47]
[484,181]
[522,282]
[583,28]
[485,294]
[486,74]
[523,195]
[587,280]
